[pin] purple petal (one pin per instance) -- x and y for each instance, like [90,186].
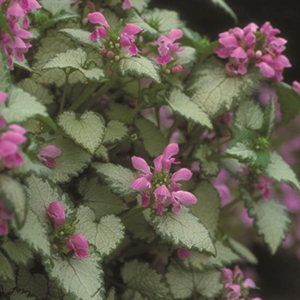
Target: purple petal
[131,29]
[133,50]
[162,191]
[13,137]
[170,150]
[229,41]
[182,174]
[266,70]
[15,10]
[98,18]
[239,53]
[186,198]
[140,183]
[7,148]
[175,34]
[163,60]
[140,164]
[126,5]
[249,283]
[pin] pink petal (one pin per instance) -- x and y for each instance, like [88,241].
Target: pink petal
[175,34]
[249,283]
[17,128]
[13,137]
[183,253]
[266,70]
[296,86]
[239,53]
[98,18]
[3,227]
[81,253]
[146,198]
[56,212]
[182,174]
[126,4]
[158,163]
[15,10]
[283,60]
[24,34]
[133,50]
[163,60]
[140,164]
[50,151]
[170,150]
[229,41]
[162,191]
[3,97]
[140,183]
[131,29]
[7,148]
[186,198]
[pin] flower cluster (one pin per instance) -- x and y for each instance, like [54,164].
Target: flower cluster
[4,215]
[236,287]
[113,42]
[47,155]
[160,188]
[243,46]
[15,13]
[64,232]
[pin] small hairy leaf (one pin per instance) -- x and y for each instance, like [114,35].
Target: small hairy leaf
[141,277]
[138,66]
[187,57]
[207,208]
[79,36]
[5,78]
[183,229]
[153,139]
[182,104]
[87,130]
[106,234]
[116,177]
[280,171]
[115,132]
[14,197]
[183,283]
[6,270]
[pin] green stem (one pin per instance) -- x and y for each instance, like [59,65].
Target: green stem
[177,120]
[231,204]
[134,112]
[62,103]
[87,92]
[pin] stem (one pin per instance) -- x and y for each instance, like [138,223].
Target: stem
[62,103]
[120,146]
[136,110]
[231,204]
[87,92]
[177,120]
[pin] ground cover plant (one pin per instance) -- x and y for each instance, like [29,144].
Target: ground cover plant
[139,159]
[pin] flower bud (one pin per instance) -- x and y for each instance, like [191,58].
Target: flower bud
[103,51]
[167,71]
[56,212]
[117,58]
[258,54]
[250,53]
[79,244]
[176,69]
[110,54]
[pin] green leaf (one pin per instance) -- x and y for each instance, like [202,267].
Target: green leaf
[241,250]
[269,120]
[225,6]
[289,101]
[54,292]
[80,277]
[22,65]
[153,139]
[202,262]
[115,132]
[138,67]
[21,106]
[75,59]
[6,270]
[57,6]
[139,5]
[102,152]
[130,294]
[184,283]
[188,109]
[142,278]
[37,90]
[208,166]
[86,130]
[4,25]
[20,295]
[183,229]
[5,78]
[14,197]
[18,252]
[249,115]
[41,193]
[101,199]
[35,284]
[70,162]
[35,235]
[214,91]
[187,57]
[271,219]
[116,177]
[106,234]
[79,36]
[207,208]
[111,294]
[280,171]
[118,112]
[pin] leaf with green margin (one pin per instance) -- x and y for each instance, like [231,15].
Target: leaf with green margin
[14,198]
[280,171]
[115,131]
[215,91]
[289,101]
[18,252]
[35,235]
[225,6]
[6,270]
[41,193]
[165,19]
[86,130]
[249,115]
[208,166]
[102,152]
[22,65]
[269,120]
[79,36]
[36,284]
[101,199]
[153,139]
[37,90]
[119,112]
[75,59]
[271,219]
[241,250]
[182,104]
[21,106]
[138,67]
[106,234]
[140,277]
[183,283]
[57,6]
[183,229]
[82,278]
[116,177]
[72,160]
[5,77]
[201,262]
[186,58]
[207,208]
[54,292]
[20,295]
[139,5]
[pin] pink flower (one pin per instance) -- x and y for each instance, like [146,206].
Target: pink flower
[3,97]
[127,38]
[126,4]
[79,244]
[264,186]
[100,31]
[47,155]
[296,86]
[4,215]
[183,253]
[56,212]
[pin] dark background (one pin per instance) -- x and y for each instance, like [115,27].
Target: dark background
[278,275]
